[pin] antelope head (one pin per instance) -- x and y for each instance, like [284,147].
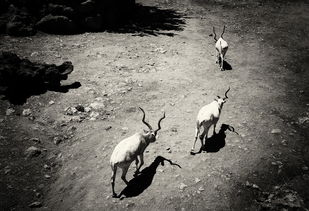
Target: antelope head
[151,134]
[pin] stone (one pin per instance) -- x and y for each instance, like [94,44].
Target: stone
[9,111]
[80,108]
[201,188]
[197,180]
[35,204]
[57,24]
[93,23]
[51,102]
[182,186]
[276,131]
[57,140]
[26,112]
[36,140]
[97,105]
[87,7]
[32,152]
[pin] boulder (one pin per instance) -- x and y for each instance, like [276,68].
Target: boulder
[93,23]
[57,24]
[87,7]
[62,10]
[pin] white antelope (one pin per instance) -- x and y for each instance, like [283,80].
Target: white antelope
[130,149]
[208,116]
[221,47]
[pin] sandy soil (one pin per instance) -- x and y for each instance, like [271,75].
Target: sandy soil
[172,71]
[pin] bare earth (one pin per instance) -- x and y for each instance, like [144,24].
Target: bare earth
[172,71]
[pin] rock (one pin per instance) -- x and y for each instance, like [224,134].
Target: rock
[35,204]
[97,105]
[93,23]
[174,129]
[32,152]
[46,167]
[182,186]
[9,111]
[70,111]
[87,7]
[56,9]
[201,188]
[276,131]
[51,102]
[57,140]
[305,168]
[47,176]
[303,120]
[87,109]
[77,119]
[108,128]
[57,25]
[80,108]
[36,140]
[94,115]
[20,23]
[197,180]
[27,112]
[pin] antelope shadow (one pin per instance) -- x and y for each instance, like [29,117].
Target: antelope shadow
[226,66]
[216,141]
[143,180]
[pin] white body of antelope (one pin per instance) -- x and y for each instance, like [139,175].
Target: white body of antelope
[132,149]
[208,116]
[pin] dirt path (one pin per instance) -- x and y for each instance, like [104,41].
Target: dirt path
[177,74]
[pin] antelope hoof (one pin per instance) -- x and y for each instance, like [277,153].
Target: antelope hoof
[115,195]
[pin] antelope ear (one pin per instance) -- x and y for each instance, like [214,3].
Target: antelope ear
[216,99]
[145,131]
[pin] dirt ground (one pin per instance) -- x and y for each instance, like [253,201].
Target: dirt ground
[168,65]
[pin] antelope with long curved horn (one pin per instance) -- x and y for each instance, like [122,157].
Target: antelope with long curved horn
[208,116]
[221,48]
[130,149]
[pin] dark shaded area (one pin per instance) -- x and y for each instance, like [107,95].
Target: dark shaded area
[25,17]
[21,78]
[148,20]
[216,141]
[142,181]
[226,66]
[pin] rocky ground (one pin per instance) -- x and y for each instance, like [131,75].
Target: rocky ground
[55,148]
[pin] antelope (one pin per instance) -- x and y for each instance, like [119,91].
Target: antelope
[221,47]
[208,116]
[130,149]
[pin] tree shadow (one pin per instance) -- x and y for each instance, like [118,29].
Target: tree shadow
[21,78]
[150,20]
[142,181]
[18,95]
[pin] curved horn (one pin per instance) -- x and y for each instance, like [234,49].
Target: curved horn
[143,120]
[226,93]
[159,124]
[173,164]
[223,31]
[215,37]
[232,129]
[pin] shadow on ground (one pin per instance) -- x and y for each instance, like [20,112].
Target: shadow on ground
[141,182]
[18,95]
[149,20]
[216,141]
[21,78]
